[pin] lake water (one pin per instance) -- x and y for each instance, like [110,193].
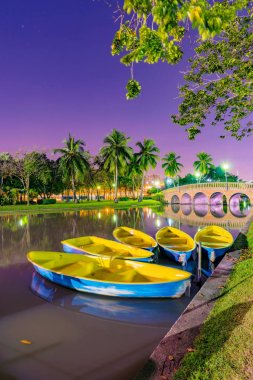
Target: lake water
[70,335]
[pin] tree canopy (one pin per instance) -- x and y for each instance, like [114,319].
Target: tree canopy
[219,83]
[220,78]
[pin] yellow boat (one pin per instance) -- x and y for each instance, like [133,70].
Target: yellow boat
[101,275]
[214,240]
[134,238]
[97,246]
[175,243]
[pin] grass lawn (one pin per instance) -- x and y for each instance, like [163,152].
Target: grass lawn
[60,206]
[224,348]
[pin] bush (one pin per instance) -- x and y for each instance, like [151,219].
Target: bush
[158,197]
[147,197]
[46,201]
[123,199]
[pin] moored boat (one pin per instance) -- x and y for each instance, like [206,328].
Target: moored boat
[135,238]
[175,243]
[97,246]
[151,312]
[118,278]
[215,241]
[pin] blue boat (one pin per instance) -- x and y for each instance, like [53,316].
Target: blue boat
[215,241]
[149,312]
[134,238]
[97,246]
[104,276]
[176,244]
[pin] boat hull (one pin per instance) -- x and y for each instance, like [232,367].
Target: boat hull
[214,253]
[215,241]
[162,290]
[179,257]
[141,311]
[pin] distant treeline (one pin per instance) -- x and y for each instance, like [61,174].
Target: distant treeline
[117,171]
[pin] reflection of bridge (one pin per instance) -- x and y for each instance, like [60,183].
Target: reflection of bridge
[209,193]
[204,216]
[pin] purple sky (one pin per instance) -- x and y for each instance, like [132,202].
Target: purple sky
[57,76]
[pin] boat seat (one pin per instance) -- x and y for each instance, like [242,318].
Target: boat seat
[179,247]
[174,241]
[97,248]
[214,244]
[79,268]
[169,234]
[123,234]
[214,239]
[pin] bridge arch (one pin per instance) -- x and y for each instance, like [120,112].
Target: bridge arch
[200,198]
[186,199]
[218,198]
[239,204]
[175,199]
[175,207]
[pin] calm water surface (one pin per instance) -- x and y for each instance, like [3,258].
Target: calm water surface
[78,336]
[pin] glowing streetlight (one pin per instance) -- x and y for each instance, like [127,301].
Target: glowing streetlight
[198,175]
[225,167]
[157,185]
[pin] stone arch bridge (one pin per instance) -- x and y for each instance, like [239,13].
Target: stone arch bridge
[210,193]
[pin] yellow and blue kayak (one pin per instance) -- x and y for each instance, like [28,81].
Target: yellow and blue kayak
[214,240]
[175,243]
[118,278]
[96,246]
[135,238]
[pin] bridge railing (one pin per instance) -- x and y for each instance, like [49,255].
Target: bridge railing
[212,185]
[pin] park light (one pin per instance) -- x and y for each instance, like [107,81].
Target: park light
[157,185]
[197,174]
[98,187]
[225,166]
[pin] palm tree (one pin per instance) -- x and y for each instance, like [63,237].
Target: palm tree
[116,153]
[146,158]
[204,163]
[171,165]
[134,172]
[74,160]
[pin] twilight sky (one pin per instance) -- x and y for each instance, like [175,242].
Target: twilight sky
[57,76]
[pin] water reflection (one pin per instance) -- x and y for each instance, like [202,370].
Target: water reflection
[139,311]
[187,209]
[200,210]
[90,320]
[218,210]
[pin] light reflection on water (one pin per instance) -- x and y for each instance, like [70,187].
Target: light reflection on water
[136,325]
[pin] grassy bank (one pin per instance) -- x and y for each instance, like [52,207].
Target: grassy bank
[39,209]
[224,349]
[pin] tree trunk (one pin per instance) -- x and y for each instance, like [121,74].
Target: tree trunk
[73,187]
[116,183]
[142,187]
[27,190]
